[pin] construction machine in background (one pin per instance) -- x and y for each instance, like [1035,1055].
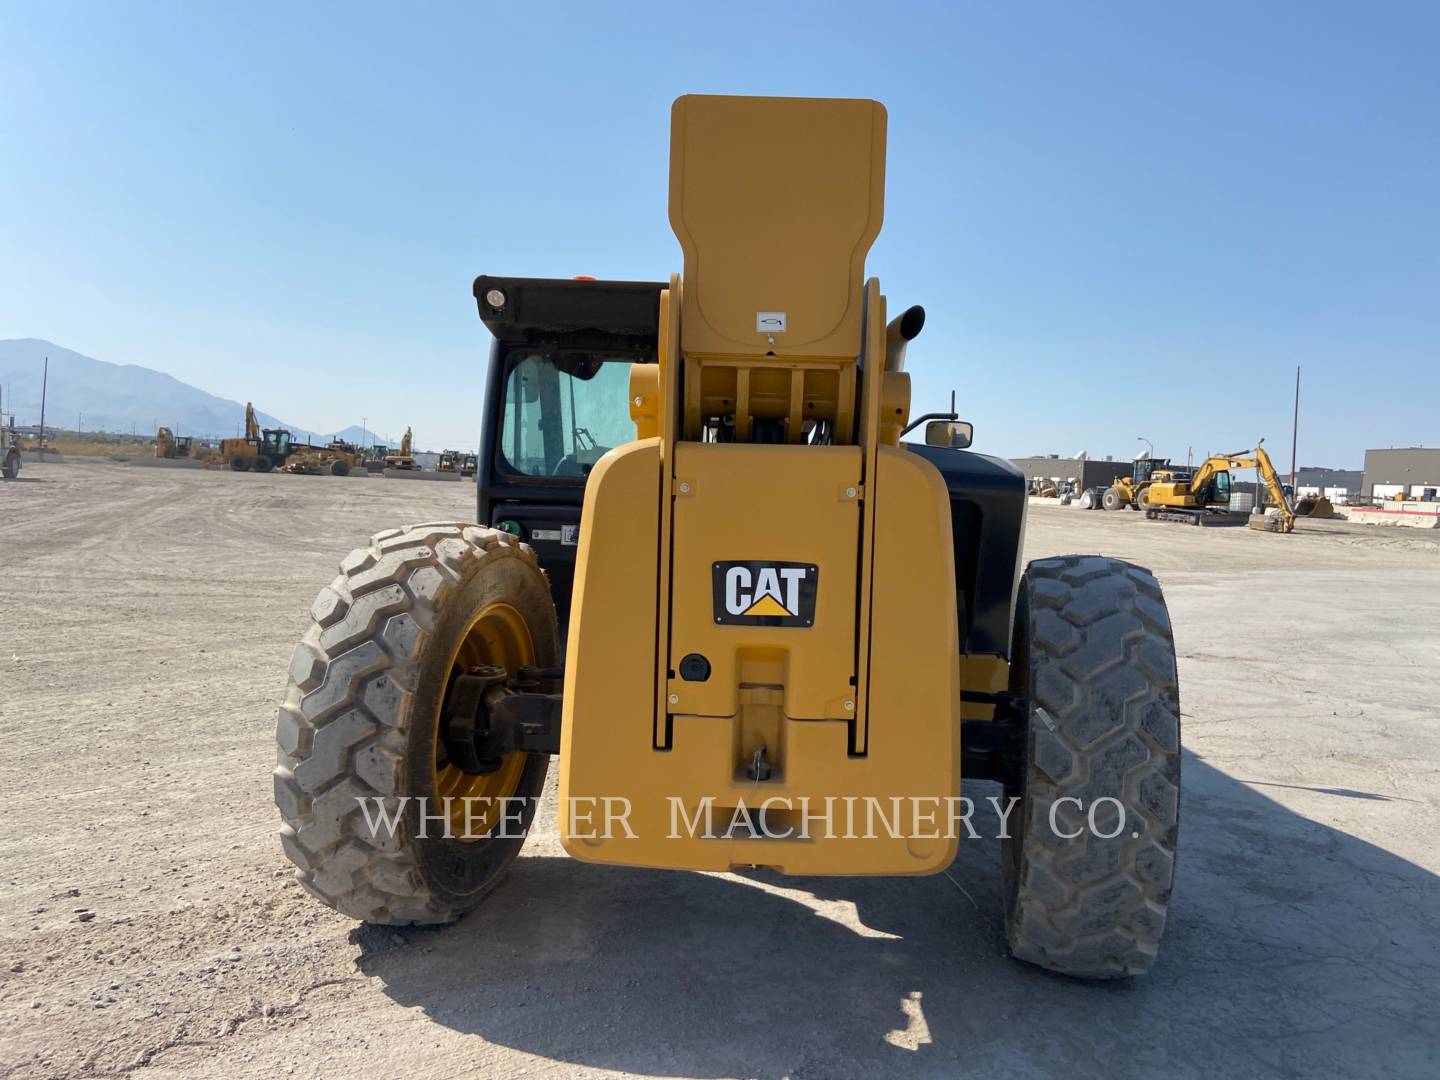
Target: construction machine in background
[777,613]
[168,445]
[467,465]
[336,458]
[1206,493]
[449,461]
[260,450]
[9,450]
[1314,506]
[1125,491]
[403,459]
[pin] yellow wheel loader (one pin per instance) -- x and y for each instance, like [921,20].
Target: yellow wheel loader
[1129,491]
[790,639]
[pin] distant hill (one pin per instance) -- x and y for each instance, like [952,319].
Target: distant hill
[111,397]
[353,434]
[369,437]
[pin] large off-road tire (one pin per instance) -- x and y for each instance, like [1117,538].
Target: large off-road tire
[1095,661]
[1142,500]
[1112,500]
[339,468]
[263,463]
[362,713]
[11,467]
[239,463]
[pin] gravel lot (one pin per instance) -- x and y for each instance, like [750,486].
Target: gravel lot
[149,925]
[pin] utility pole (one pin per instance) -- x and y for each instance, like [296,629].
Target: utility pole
[1295,429]
[78,418]
[44,385]
[363,437]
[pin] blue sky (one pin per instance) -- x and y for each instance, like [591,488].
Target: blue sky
[1123,219]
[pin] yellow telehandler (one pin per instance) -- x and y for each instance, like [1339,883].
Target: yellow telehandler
[790,635]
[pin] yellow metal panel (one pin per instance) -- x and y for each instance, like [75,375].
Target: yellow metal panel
[913,674]
[775,503]
[912,767]
[775,202]
[668,355]
[609,701]
[872,392]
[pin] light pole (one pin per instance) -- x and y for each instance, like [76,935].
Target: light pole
[364,436]
[1148,443]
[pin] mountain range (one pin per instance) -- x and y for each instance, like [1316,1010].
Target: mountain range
[101,396]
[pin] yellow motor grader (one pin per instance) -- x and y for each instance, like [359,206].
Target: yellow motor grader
[260,450]
[336,458]
[790,637]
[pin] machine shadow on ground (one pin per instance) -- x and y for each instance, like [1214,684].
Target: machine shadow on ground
[1293,949]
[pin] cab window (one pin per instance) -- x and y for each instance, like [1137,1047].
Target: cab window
[563,409]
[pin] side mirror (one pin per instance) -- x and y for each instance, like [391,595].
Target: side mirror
[956,434]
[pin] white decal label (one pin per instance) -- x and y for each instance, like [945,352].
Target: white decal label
[770,322]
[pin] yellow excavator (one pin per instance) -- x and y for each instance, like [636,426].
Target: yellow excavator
[1207,493]
[402,460]
[169,445]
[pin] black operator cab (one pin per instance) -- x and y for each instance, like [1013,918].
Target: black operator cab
[557,397]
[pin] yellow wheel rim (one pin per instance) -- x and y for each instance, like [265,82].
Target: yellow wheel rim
[497,636]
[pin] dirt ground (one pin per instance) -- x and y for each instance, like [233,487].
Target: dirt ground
[149,924]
